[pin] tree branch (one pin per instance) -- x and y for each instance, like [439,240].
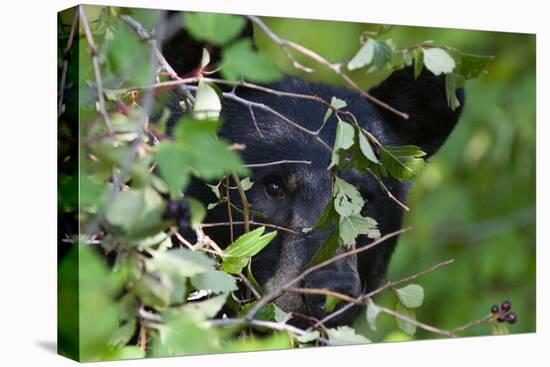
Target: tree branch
[334,67]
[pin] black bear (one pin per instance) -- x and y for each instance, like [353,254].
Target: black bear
[293,195]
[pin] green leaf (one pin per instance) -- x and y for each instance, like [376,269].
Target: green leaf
[372,314]
[366,148]
[331,302]
[418,62]
[411,296]
[355,225]
[327,216]
[125,208]
[327,249]
[308,337]
[405,326]
[246,183]
[184,334]
[343,141]
[374,52]
[173,166]
[181,262]
[337,103]
[216,28]
[198,212]
[207,102]
[249,244]
[215,281]
[127,352]
[453,81]
[240,60]
[206,309]
[402,162]
[345,335]
[234,265]
[123,334]
[438,61]
[347,199]
[471,66]
[121,52]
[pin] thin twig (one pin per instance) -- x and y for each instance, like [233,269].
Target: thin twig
[274,163]
[334,67]
[254,223]
[380,289]
[276,292]
[97,74]
[419,324]
[277,326]
[65,67]
[229,211]
[244,202]
[324,292]
[471,324]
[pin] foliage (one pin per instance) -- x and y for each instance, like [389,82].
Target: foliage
[161,295]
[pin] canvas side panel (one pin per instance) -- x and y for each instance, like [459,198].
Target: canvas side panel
[68,179]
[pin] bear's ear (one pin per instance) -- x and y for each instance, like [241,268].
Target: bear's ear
[424,99]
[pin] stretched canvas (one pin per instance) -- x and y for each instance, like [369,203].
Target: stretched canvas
[234,183]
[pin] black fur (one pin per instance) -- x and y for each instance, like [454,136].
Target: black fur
[430,123]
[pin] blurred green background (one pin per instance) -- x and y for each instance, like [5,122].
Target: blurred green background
[475,203]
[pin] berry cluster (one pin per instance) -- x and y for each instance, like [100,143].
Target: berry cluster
[504,313]
[180,211]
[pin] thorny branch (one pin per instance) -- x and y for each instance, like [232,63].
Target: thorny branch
[363,298]
[334,67]
[276,292]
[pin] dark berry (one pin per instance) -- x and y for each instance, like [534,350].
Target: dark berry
[494,309]
[506,306]
[511,317]
[501,318]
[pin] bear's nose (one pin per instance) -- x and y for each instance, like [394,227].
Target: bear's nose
[341,282]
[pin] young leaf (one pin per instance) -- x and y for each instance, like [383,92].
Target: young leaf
[366,148]
[337,103]
[123,334]
[411,296]
[215,281]
[125,208]
[418,62]
[207,102]
[372,314]
[246,183]
[173,166]
[216,28]
[453,81]
[207,309]
[181,262]
[347,199]
[405,326]
[197,211]
[234,265]
[249,244]
[343,141]
[438,61]
[308,337]
[331,302]
[471,66]
[355,225]
[402,162]
[345,335]
[374,52]
[327,249]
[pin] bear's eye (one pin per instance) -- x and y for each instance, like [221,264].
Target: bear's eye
[275,188]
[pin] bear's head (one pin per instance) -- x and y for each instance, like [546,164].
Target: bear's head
[292,195]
